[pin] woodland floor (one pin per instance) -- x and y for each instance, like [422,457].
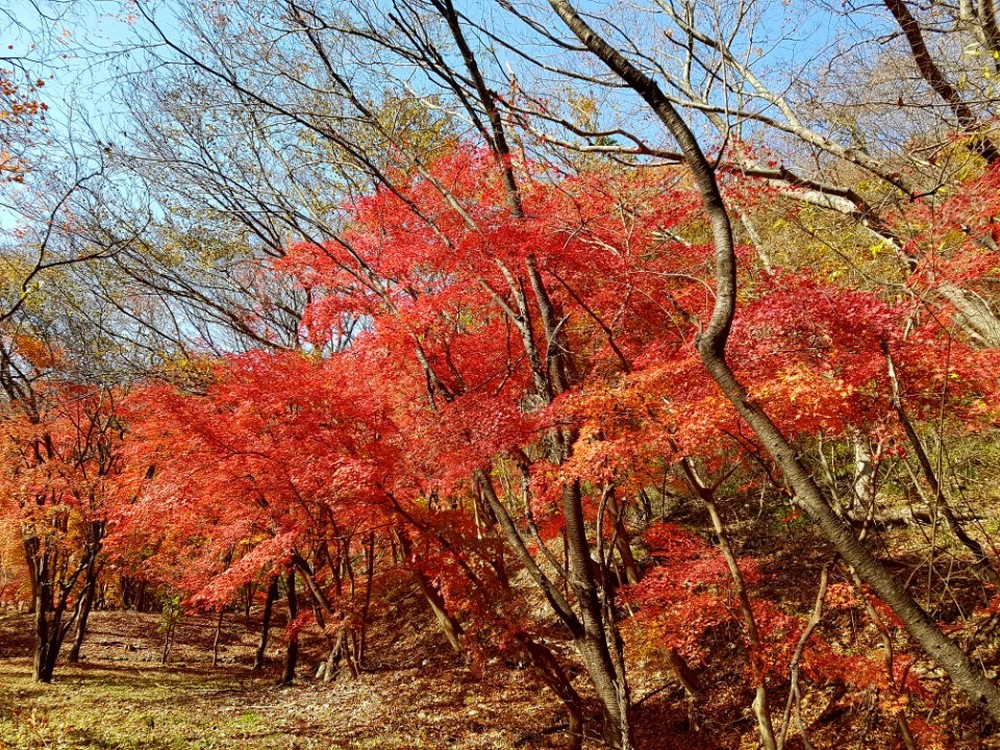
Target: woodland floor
[119,696]
[415,694]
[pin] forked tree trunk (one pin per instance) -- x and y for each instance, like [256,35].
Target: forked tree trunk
[171,614]
[341,655]
[49,610]
[593,638]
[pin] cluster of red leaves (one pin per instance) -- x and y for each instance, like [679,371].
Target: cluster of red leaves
[686,594]
[250,470]
[817,356]
[286,452]
[953,236]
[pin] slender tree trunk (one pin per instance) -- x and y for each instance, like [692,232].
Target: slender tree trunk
[486,523]
[449,625]
[31,550]
[622,544]
[794,693]
[863,486]
[761,704]
[249,591]
[265,628]
[217,639]
[888,654]
[555,678]
[359,656]
[171,612]
[292,651]
[86,604]
[592,639]
[91,574]
[941,504]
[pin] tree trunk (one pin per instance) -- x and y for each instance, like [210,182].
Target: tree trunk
[218,637]
[979,143]
[941,504]
[863,485]
[555,678]
[292,651]
[168,632]
[86,604]
[622,544]
[589,630]
[761,703]
[48,622]
[44,660]
[592,638]
[30,545]
[449,625]
[974,315]
[340,651]
[808,496]
[249,592]
[265,628]
[362,644]
[48,652]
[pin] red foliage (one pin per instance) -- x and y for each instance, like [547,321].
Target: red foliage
[687,593]
[380,432]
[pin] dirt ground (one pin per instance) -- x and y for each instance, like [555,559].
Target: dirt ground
[120,696]
[415,693]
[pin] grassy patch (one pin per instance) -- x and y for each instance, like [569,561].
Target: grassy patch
[128,708]
[121,698]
